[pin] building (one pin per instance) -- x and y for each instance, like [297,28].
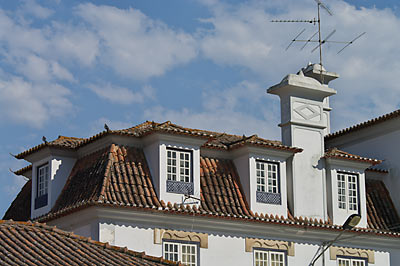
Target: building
[26,243]
[209,198]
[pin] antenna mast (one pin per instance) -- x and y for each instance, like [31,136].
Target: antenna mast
[320,41]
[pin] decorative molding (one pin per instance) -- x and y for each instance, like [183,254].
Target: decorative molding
[352,252]
[252,243]
[160,234]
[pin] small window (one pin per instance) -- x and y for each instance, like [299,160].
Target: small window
[269,258]
[347,185]
[42,186]
[179,171]
[183,252]
[268,183]
[351,262]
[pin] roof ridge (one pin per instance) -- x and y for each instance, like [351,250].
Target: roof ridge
[106,177]
[66,137]
[364,124]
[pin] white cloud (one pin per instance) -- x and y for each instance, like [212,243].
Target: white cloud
[33,104]
[73,44]
[241,109]
[242,35]
[134,45]
[122,95]
[31,7]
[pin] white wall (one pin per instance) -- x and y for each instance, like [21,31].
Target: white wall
[59,170]
[385,147]
[222,249]
[339,216]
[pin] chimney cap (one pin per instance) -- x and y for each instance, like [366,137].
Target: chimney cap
[314,71]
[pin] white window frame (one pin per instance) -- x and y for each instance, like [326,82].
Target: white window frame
[179,169]
[351,262]
[43,176]
[347,191]
[178,252]
[267,174]
[267,256]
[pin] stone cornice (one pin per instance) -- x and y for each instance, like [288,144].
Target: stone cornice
[160,234]
[252,243]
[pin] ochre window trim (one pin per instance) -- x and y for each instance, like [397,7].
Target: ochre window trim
[352,252]
[252,243]
[164,234]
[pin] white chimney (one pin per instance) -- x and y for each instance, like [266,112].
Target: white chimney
[304,122]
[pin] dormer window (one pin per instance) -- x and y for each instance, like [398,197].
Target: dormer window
[179,171]
[347,191]
[42,186]
[268,182]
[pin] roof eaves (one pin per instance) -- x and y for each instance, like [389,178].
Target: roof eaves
[23,170]
[188,210]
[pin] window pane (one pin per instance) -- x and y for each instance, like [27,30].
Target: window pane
[277,259]
[260,258]
[43,180]
[171,251]
[184,166]
[171,165]
[352,192]
[341,182]
[189,254]
[343,262]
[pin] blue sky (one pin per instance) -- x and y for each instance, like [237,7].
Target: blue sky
[68,67]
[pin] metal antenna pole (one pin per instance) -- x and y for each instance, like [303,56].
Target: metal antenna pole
[320,44]
[319,39]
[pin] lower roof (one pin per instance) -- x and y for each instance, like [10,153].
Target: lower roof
[26,243]
[119,176]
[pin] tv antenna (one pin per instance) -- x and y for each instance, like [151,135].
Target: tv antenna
[319,41]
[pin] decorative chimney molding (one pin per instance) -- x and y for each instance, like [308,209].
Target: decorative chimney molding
[304,123]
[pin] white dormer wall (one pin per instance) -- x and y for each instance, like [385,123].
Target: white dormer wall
[155,149]
[245,160]
[59,170]
[334,167]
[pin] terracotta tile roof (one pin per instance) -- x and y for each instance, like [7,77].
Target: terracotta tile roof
[338,154]
[362,125]
[381,212]
[221,188]
[20,208]
[118,177]
[213,139]
[25,243]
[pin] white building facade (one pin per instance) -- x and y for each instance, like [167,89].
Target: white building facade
[209,198]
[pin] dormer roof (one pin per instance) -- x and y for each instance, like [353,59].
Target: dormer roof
[342,155]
